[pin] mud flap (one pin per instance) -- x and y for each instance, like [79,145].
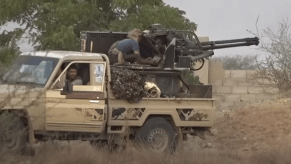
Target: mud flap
[201,135]
[179,139]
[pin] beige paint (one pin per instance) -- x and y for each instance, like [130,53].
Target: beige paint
[80,115]
[165,106]
[216,71]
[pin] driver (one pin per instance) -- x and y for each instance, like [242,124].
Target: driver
[73,78]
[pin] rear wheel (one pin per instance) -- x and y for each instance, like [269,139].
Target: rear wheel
[157,134]
[13,134]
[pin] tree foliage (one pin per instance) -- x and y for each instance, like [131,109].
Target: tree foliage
[56,24]
[238,62]
[191,79]
[8,47]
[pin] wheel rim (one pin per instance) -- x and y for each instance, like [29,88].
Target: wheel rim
[9,139]
[158,139]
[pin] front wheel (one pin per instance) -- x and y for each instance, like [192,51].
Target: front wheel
[157,134]
[13,134]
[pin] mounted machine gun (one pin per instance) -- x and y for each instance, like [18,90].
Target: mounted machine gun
[188,48]
[178,48]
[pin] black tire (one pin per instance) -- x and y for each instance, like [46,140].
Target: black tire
[13,134]
[151,130]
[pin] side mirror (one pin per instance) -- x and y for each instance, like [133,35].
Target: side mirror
[68,88]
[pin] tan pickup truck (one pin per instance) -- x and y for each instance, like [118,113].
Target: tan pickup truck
[34,91]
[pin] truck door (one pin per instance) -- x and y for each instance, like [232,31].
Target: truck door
[82,110]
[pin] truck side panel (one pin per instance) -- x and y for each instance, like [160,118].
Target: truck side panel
[185,112]
[33,102]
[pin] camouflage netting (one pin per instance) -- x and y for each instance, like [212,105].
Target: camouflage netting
[127,84]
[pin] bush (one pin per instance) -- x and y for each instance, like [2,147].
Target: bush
[276,48]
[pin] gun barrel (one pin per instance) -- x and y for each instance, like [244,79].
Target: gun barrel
[211,45]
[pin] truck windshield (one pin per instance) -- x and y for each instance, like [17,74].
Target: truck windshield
[30,70]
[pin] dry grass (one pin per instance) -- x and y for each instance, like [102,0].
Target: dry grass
[81,153]
[226,148]
[279,154]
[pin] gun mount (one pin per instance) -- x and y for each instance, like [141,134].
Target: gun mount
[179,48]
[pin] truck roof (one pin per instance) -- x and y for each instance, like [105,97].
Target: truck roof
[61,54]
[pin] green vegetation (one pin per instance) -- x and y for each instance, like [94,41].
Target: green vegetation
[8,47]
[56,24]
[191,79]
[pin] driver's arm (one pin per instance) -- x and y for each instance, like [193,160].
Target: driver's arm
[77,82]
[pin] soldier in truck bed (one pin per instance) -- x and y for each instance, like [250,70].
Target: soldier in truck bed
[127,50]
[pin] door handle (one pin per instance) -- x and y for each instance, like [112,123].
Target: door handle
[94,101]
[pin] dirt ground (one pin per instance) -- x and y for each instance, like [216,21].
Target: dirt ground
[258,133]
[257,127]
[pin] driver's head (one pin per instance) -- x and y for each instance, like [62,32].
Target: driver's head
[73,71]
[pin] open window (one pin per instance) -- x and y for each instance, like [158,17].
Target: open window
[92,74]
